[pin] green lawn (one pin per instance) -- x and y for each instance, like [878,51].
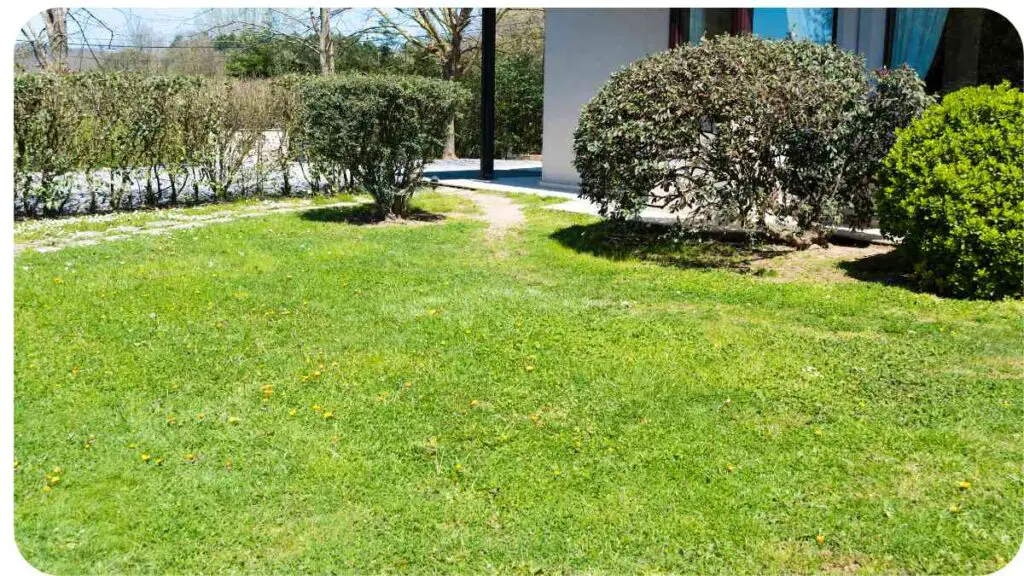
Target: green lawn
[314,395]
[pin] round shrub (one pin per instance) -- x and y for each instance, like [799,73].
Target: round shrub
[380,129]
[953,190]
[778,136]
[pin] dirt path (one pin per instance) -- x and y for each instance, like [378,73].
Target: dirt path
[500,212]
[176,222]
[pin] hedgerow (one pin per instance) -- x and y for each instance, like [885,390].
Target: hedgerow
[96,142]
[777,136]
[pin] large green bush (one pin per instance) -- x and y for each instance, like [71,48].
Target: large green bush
[96,142]
[778,136]
[379,129]
[954,192]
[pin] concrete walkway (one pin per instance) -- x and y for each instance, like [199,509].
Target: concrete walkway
[524,177]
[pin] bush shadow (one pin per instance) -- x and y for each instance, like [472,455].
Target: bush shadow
[890,268]
[666,245]
[365,214]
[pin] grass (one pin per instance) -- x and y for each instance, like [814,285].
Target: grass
[324,396]
[37,229]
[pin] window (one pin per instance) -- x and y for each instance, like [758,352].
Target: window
[815,24]
[955,47]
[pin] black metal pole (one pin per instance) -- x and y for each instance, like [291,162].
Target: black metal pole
[487,95]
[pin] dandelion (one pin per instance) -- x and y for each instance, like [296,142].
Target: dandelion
[317,408]
[228,464]
[293,412]
[58,470]
[74,371]
[234,420]
[328,415]
[159,461]
[820,538]
[46,488]
[965,485]
[530,368]
[17,464]
[145,457]
[818,432]
[953,508]
[407,385]
[200,416]
[730,468]
[474,403]
[189,457]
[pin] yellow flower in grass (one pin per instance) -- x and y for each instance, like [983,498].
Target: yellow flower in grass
[329,415]
[46,488]
[293,412]
[965,485]
[530,368]
[317,408]
[145,457]
[190,457]
[820,538]
[234,420]
[953,508]
[474,403]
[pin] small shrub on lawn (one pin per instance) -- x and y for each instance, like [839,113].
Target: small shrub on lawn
[779,136]
[954,192]
[380,130]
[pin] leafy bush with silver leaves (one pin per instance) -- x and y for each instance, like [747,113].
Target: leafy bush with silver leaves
[783,137]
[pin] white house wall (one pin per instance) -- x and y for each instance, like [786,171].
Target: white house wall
[582,47]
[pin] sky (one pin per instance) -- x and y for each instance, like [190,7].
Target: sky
[166,23]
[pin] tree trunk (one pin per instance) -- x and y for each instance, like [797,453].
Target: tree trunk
[326,43]
[449,144]
[56,21]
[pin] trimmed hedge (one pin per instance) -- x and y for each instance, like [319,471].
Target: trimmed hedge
[97,142]
[379,129]
[954,192]
[779,136]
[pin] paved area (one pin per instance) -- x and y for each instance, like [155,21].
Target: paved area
[524,177]
[500,212]
[156,227]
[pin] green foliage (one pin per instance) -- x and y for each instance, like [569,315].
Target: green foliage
[519,108]
[46,142]
[265,54]
[764,134]
[378,129]
[954,192]
[132,140]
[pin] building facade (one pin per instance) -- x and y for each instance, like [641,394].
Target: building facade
[949,48]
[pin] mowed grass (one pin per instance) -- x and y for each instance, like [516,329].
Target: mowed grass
[319,396]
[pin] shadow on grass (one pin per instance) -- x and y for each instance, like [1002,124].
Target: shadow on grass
[890,268]
[365,214]
[667,245]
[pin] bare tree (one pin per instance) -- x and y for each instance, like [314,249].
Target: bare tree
[47,39]
[447,34]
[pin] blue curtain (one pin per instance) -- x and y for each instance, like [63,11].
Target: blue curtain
[814,24]
[696,25]
[915,37]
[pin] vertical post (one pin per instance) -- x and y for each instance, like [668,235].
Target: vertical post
[890,29]
[487,94]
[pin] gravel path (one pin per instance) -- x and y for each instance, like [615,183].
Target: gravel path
[500,212]
[156,227]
